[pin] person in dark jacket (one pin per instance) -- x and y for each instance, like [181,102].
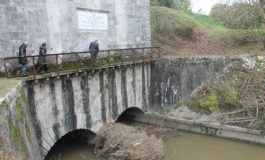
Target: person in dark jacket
[93,49]
[22,58]
[42,63]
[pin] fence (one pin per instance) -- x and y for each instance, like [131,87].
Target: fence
[57,63]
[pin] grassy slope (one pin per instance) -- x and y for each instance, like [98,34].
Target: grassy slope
[184,33]
[6,85]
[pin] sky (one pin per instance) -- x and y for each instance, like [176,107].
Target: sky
[204,5]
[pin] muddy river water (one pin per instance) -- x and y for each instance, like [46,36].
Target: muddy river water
[181,146]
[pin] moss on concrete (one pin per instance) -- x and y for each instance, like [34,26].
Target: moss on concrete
[28,133]
[206,61]
[19,111]
[16,135]
[5,105]
[176,64]
[23,94]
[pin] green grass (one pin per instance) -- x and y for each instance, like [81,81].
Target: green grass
[182,19]
[174,30]
[258,31]
[204,20]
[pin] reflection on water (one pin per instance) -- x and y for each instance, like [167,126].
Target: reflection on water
[188,146]
[73,146]
[75,153]
[197,147]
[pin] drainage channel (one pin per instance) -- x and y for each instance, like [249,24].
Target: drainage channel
[179,145]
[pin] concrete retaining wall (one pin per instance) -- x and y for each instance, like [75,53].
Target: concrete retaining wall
[176,78]
[224,131]
[16,128]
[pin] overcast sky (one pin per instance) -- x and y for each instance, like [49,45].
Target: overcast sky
[205,5]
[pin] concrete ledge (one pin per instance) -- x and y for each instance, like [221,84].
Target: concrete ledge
[224,131]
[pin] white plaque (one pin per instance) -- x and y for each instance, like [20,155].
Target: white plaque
[92,20]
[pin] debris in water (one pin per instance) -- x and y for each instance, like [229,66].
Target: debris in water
[121,142]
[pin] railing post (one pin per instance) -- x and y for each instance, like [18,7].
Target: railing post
[7,75]
[143,58]
[159,52]
[34,69]
[57,64]
[108,58]
[122,57]
[133,53]
[151,54]
[76,59]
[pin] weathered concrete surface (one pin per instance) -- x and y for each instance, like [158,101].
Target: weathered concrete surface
[225,131]
[86,101]
[56,22]
[16,127]
[89,100]
[174,78]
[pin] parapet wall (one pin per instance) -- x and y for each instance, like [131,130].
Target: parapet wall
[16,127]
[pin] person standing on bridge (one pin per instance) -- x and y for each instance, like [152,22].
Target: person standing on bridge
[42,63]
[22,58]
[93,50]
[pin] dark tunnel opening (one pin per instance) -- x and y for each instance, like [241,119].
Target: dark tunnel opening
[71,142]
[128,116]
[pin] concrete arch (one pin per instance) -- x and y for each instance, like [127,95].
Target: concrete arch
[80,135]
[129,114]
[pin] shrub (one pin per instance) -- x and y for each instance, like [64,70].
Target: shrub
[230,96]
[210,103]
[240,15]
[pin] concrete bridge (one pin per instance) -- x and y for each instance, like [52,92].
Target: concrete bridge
[86,100]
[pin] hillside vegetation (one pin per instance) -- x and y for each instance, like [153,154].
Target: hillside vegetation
[180,32]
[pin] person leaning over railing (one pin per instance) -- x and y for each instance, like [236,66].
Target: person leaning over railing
[22,58]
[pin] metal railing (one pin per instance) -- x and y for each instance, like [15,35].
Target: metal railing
[76,61]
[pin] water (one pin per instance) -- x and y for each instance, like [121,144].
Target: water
[187,146]
[75,153]
[197,147]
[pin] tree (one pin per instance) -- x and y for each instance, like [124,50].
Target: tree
[179,4]
[239,15]
[262,3]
